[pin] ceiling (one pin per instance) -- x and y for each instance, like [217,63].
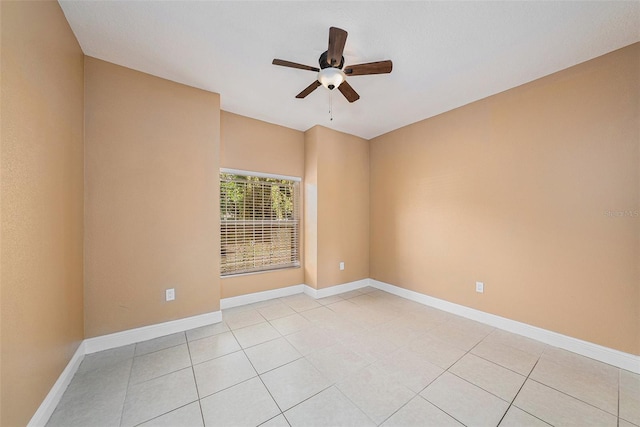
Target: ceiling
[445,54]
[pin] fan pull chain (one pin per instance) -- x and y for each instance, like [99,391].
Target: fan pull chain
[330,105]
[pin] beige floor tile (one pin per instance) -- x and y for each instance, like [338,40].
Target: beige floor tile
[329,300]
[301,302]
[342,329]
[418,413]
[213,346]
[272,354]
[290,324]
[207,331]
[278,421]
[327,408]
[318,315]
[409,369]
[158,396]
[82,411]
[351,294]
[186,416]
[400,331]
[343,307]
[292,383]
[310,340]
[256,334]
[378,350]
[158,363]
[557,408]
[456,337]
[94,397]
[266,303]
[525,344]
[470,326]
[630,397]
[488,376]
[578,362]
[377,394]
[509,357]
[436,351]
[160,343]
[624,423]
[223,372]
[245,404]
[110,379]
[242,319]
[371,346]
[275,311]
[336,362]
[518,418]
[580,382]
[363,299]
[106,358]
[464,401]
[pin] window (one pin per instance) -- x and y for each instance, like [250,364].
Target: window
[259,217]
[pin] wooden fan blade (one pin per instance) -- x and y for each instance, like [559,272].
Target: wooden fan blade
[313,86]
[348,92]
[337,39]
[290,64]
[380,67]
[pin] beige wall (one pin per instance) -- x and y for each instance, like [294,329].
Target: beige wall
[41,209]
[151,199]
[310,211]
[341,211]
[514,190]
[256,146]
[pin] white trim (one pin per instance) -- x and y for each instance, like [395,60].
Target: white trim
[260,296]
[260,174]
[335,290]
[144,333]
[52,399]
[608,355]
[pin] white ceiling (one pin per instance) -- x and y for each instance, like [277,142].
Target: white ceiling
[445,54]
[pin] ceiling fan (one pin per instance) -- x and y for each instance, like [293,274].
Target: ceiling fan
[331,73]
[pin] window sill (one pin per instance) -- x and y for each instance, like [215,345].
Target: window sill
[251,273]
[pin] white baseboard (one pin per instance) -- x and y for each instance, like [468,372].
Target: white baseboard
[335,290]
[52,399]
[291,290]
[260,296]
[144,333]
[608,355]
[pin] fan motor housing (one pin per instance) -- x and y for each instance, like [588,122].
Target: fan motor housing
[322,61]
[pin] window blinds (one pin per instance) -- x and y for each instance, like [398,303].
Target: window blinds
[259,223]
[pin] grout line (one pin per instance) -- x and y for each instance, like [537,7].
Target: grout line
[519,390]
[258,375]
[165,413]
[575,398]
[618,409]
[195,380]
[128,383]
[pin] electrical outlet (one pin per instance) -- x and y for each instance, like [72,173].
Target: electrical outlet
[170,294]
[342,265]
[480,287]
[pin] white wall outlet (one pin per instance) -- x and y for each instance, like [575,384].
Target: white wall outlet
[341,265]
[170,294]
[480,287]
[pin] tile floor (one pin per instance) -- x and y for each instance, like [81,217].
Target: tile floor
[362,358]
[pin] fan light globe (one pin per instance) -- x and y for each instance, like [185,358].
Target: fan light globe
[331,78]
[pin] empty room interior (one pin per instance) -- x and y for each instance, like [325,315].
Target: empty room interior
[320,213]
